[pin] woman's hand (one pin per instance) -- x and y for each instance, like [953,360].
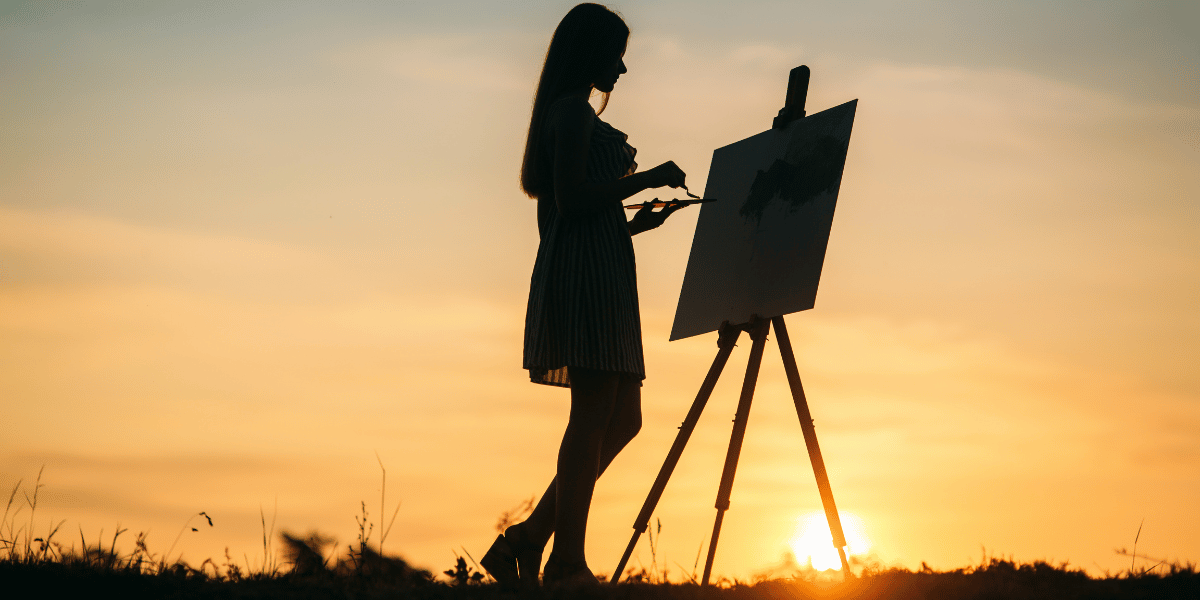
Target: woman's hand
[666,174]
[647,218]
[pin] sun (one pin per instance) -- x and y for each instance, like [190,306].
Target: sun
[813,544]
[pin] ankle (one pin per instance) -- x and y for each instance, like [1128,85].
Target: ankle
[566,561]
[527,533]
[569,572]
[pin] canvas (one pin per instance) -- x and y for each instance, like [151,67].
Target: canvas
[758,250]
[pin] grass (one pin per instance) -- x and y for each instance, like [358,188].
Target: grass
[312,566]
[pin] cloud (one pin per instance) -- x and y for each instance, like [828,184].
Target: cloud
[481,61]
[127,251]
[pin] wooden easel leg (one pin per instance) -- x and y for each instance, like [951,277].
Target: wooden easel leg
[759,335]
[810,440]
[727,340]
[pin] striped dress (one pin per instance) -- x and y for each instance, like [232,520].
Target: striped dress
[583,303]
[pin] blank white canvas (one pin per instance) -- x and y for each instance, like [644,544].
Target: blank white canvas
[759,248]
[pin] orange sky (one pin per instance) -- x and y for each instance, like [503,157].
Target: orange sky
[244,248]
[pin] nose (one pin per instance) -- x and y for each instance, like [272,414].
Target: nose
[621,67]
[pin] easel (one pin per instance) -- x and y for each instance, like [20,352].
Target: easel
[758,328]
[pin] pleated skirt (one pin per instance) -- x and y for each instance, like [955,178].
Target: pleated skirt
[583,303]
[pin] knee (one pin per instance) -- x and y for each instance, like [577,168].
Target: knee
[635,424]
[629,411]
[629,426]
[586,428]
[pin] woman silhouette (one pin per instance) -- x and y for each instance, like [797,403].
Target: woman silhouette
[582,327]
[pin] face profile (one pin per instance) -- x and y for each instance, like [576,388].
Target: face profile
[607,79]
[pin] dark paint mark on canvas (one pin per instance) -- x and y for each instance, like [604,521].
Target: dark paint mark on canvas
[817,170]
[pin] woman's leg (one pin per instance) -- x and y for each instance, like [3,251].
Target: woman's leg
[623,425]
[593,398]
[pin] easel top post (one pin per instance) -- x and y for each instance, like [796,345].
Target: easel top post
[797,95]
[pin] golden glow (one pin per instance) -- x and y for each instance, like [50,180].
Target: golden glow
[240,262]
[813,544]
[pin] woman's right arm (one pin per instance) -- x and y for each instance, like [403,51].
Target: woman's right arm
[571,125]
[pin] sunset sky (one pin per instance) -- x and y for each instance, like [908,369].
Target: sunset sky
[245,247]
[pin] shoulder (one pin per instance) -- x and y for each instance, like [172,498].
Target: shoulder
[571,113]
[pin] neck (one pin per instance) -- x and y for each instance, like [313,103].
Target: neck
[584,92]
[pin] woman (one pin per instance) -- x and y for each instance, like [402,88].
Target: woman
[582,328]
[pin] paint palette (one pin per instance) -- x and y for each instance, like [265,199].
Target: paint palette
[656,203]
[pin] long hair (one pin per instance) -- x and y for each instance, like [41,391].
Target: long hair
[589,39]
